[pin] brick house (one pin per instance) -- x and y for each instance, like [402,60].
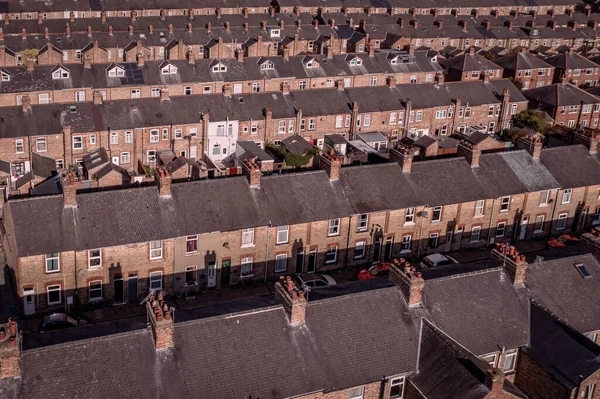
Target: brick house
[577,69]
[470,66]
[526,69]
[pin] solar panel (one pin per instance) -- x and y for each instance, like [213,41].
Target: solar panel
[585,273]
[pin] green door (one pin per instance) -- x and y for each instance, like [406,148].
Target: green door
[225,269]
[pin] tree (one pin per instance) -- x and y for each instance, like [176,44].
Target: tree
[532,119]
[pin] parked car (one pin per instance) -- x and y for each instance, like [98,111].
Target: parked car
[313,280]
[435,260]
[379,269]
[58,321]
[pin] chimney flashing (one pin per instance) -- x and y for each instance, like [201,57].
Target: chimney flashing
[515,265]
[409,281]
[161,322]
[292,299]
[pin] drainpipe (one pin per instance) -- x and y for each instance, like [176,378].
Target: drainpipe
[422,217]
[348,241]
[553,212]
[492,220]
[267,251]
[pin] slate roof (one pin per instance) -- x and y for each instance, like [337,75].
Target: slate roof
[574,167]
[570,60]
[469,62]
[559,94]
[563,352]
[520,61]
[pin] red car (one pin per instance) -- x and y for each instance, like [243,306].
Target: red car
[375,270]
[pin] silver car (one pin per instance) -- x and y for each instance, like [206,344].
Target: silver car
[313,280]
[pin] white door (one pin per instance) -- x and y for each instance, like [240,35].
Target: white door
[523,228]
[28,302]
[193,152]
[582,219]
[237,88]
[459,235]
[115,160]
[212,274]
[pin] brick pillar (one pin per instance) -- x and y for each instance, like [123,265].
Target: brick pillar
[251,170]
[470,152]
[292,299]
[10,352]
[331,164]
[403,155]
[161,322]
[515,265]
[164,182]
[408,280]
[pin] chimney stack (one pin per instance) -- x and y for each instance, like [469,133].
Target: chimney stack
[208,27]
[26,103]
[239,55]
[470,152]
[69,192]
[162,15]
[110,31]
[593,24]
[532,145]
[164,94]
[494,380]
[400,22]
[475,13]
[227,90]
[415,23]
[391,81]
[408,280]
[551,24]
[486,24]
[97,96]
[191,57]
[508,24]
[133,16]
[331,164]
[46,33]
[103,16]
[569,12]
[87,61]
[10,351]
[292,299]
[140,59]
[515,265]
[440,78]
[162,174]
[24,34]
[30,63]
[161,322]
[439,23]
[72,17]
[251,169]
[463,24]
[218,12]
[40,17]
[403,155]
[340,84]
[551,13]
[246,12]
[587,138]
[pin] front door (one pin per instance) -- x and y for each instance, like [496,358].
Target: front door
[312,261]
[300,261]
[377,254]
[119,292]
[212,273]
[225,269]
[459,234]
[132,287]
[523,228]
[28,302]
[389,245]
[582,219]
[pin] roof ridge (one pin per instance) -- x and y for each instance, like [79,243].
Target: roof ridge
[467,274]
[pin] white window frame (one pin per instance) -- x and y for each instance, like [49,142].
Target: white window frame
[156,249]
[54,288]
[125,158]
[475,232]
[283,234]
[51,258]
[153,280]
[589,391]
[114,138]
[363,222]
[405,243]
[567,194]
[128,137]
[479,208]
[397,382]
[544,198]
[248,237]
[505,204]
[561,222]
[135,93]
[92,258]
[438,210]
[331,249]
[191,239]
[339,121]
[77,142]
[542,220]
[246,266]
[510,354]
[334,227]
[409,216]
[92,139]
[500,229]
[39,142]
[281,263]
[151,156]
[19,144]
[95,289]
[360,249]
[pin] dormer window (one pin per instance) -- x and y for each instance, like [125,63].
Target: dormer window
[394,61]
[116,72]
[168,69]
[275,32]
[311,63]
[5,76]
[60,73]
[267,65]
[356,61]
[219,67]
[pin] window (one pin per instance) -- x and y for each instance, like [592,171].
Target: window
[562,221]
[128,137]
[504,204]
[280,263]
[467,112]
[440,114]
[359,249]
[179,132]
[356,393]
[165,134]
[334,227]
[114,138]
[191,244]
[154,137]
[566,197]
[596,217]
[312,124]
[151,156]
[281,127]
[437,214]
[373,81]
[156,281]
[283,233]
[405,246]
[155,92]
[267,65]
[52,262]
[475,233]
[479,206]
[40,144]
[219,68]
[190,275]
[156,249]
[367,121]
[331,254]
[60,74]
[419,117]
[393,118]
[491,359]
[80,96]
[510,360]
[413,78]
[397,388]
[255,87]
[363,221]
[205,89]
[246,264]
[544,198]
[19,147]
[135,93]
[125,158]
[187,90]
[433,240]
[339,121]
[95,290]
[409,217]
[53,294]
[302,85]
[513,109]
[248,237]
[589,391]
[500,229]
[539,224]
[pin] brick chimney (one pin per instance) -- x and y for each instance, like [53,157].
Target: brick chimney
[103,16]
[470,152]
[97,96]
[30,63]
[208,27]
[592,24]
[403,155]
[227,90]
[162,15]
[515,265]
[164,179]
[110,31]
[26,103]
[587,138]
[331,164]
[285,53]
[415,23]
[508,24]
[133,16]
[46,33]
[10,351]
[246,13]
[551,13]
[40,17]
[439,77]
[475,13]
[285,87]
[340,84]
[191,57]
[391,81]
[161,322]
[72,17]
[251,170]
[485,75]
[87,61]
[140,59]
[239,55]
[572,24]
[69,192]
[551,24]
[400,23]
[591,242]
[463,24]
[24,34]
[164,94]
[486,24]
[191,14]
[569,12]
[408,280]
[532,145]
[494,380]
[439,23]
[292,299]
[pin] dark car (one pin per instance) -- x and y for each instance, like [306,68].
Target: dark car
[58,321]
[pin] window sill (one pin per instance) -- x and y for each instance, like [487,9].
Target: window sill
[54,303]
[247,246]
[504,210]
[96,299]
[333,235]
[478,216]
[191,284]
[280,271]
[247,276]
[94,267]
[538,231]
[191,253]
[543,205]
[161,258]
[405,251]
[409,223]
[282,243]
[330,262]
[362,230]
[52,271]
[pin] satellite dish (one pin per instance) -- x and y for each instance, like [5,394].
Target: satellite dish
[80,272]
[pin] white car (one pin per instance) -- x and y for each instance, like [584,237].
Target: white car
[435,260]
[313,280]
